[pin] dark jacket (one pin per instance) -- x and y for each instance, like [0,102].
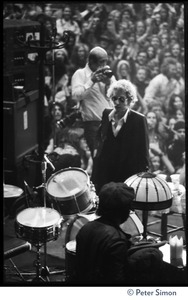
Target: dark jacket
[121,157]
[101,253]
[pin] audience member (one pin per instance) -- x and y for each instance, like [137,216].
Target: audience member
[89,87]
[66,23]
[180,114]
[175,103]
[122,70]
[157,144]
[141,82]
[155,138]
[162,86]
[78,58]
[72,142]
[176,149]
[160,164]
[56,113]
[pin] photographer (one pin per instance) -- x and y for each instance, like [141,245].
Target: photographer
[89,87]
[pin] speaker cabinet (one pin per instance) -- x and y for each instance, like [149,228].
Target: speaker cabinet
[20,62]
[19,128]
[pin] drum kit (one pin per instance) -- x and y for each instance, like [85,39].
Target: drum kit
[73,201]
[69,192]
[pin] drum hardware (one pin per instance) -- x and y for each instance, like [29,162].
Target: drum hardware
[45,271]
[30,193]
[39,225]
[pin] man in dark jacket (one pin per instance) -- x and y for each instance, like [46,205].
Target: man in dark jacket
[122,149]
[105,254]
[101,251]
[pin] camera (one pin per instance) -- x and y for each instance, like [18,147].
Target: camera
[108,73]
[105,71]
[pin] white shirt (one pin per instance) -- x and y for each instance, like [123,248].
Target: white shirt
[116,126]
[92,96]
[160,89]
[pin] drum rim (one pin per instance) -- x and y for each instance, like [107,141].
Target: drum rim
[76,214]
[66,169]
[68,197]
[72,197]
[59,221]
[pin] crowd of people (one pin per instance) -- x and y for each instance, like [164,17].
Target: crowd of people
[114,106]
[143,43]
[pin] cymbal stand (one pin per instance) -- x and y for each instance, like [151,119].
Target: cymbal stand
[45,269]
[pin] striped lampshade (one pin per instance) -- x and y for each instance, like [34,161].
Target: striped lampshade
[151,191]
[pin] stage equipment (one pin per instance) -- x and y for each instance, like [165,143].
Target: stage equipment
[20,73]
[45,272]
[19,128]
[13,248]
[151,193]
[71,191]
[38,226]
[10,194]
[35,44]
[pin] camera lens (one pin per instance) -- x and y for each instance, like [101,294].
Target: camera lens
[108,73]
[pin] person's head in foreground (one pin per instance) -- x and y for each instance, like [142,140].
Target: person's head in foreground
[115,200]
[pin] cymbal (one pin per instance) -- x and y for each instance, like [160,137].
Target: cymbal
[11,191]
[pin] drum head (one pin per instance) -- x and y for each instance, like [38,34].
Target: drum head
[76,224]
[67,183]
[11,191]
[38,217]
[71,246]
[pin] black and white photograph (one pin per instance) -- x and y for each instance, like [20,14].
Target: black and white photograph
[94,147]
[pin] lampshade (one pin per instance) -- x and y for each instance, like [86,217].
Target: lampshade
[151,191]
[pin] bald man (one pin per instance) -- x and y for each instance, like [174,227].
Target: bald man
[89,88]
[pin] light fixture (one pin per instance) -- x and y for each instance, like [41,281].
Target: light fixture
[151,193]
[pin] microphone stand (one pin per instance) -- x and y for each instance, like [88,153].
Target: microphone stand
[42,46]
[45,272]
[53,96]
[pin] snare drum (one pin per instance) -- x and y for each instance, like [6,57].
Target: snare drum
[69,190]
[38,225]
[132,226]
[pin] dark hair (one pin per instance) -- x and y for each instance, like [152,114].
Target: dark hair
[115,200]
[165,65]
[171,107]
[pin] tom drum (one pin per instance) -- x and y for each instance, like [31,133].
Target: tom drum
[69,190]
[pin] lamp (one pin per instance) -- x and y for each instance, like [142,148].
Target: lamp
[151,193]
